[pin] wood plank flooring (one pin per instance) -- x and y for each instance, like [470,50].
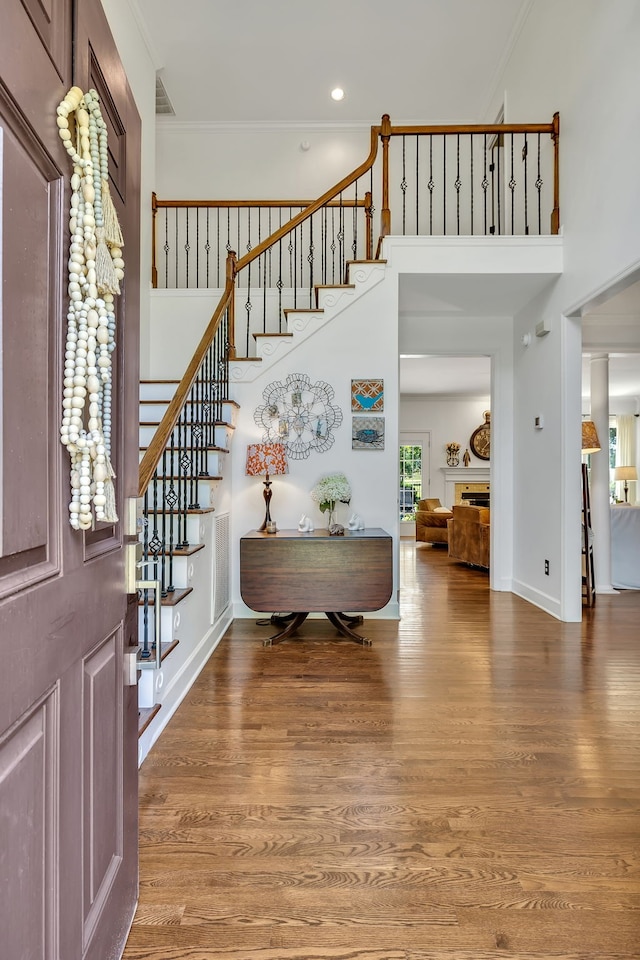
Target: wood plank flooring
[466,789]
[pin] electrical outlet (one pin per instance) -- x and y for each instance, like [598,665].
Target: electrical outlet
[546,567]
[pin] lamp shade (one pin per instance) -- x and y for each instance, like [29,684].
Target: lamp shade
[625,473]
[266,459]
[590,439]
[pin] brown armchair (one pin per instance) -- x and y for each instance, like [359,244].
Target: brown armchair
[469,535]
[431,521]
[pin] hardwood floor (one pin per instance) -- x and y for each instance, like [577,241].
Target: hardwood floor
[466,789]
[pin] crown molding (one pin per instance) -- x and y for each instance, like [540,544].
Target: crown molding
[153,51]
[514,36]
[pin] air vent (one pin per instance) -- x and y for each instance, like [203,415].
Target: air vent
[164,107]
[221,592]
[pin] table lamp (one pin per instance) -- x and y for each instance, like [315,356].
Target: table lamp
[626,474]
[266,459]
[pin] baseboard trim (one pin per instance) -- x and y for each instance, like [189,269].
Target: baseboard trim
[543,601]
[178,691]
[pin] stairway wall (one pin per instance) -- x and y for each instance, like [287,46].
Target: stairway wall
[360,342]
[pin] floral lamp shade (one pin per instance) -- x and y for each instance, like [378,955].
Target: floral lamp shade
[590,439]
[266,459]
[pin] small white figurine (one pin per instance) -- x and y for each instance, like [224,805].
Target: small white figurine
[356,522]
[305,524]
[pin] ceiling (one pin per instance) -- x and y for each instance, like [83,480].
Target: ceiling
[277,61]
[257,62]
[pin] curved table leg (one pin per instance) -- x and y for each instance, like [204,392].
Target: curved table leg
[293,621]
[343,624]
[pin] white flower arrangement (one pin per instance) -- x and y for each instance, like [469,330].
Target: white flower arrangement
[330,490]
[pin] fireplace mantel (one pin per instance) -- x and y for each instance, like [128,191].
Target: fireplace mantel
[453,475]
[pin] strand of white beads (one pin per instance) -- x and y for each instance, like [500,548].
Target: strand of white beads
[90,319]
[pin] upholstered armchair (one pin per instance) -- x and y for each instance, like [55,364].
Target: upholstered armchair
[469,535]
[431,521]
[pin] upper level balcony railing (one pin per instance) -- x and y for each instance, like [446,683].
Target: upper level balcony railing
[471,180]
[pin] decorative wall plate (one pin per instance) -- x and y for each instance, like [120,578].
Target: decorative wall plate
[299,414]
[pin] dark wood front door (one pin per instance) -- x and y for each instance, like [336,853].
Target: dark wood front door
[68,744]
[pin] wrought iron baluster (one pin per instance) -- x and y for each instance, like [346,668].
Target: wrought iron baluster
[207,248]
[485,182]
[323,245]
[187,248]
[197,246]
[248,305]
[333,245]
[218,250]
[430,185]
[166,248]
[417,185]
[403,185]
[145,652]
[512,188]
[279,283]
[291,251]
[193,482]
[295,268]
[444,186]
[185,465]
[310,261]
[169,494]
[171,499]
[525,157]
[471,148]
[538,186]
[354,241]
[457,184]
[341,238]
[176,218]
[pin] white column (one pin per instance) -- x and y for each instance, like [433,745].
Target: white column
[600,508]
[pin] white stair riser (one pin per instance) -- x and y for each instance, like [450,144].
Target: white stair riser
[205,492]
[158,391]
[214,462]
[221,435]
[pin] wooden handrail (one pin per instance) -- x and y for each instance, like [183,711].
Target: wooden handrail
[160,438]
[472,128]
[243,204]
[313,207]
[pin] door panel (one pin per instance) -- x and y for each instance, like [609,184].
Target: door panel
[68,726]
[28,803]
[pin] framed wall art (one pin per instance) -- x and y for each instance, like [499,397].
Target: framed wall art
[367,396]
[367,433]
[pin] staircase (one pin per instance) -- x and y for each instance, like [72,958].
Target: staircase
[195,604]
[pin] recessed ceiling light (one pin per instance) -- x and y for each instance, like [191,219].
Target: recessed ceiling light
[337,94]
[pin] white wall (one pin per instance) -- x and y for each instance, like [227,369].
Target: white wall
[447,419]
[337,353]
[578,57]
[141,74]
[253,162]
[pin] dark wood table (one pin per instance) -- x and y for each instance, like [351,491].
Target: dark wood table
[314,573]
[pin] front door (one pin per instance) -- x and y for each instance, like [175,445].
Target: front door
[68,744]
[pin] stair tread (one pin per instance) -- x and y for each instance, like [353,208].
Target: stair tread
[256,336]
[218,449]
[212,423]
[334,286]
[365,261]
[303,310]
[165,650]
[172,599]
[145,716]
[159,381]
[181,551]
[189,477]
[246,360]
[189,510]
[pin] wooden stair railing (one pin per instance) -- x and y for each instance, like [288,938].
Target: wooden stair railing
[180,449]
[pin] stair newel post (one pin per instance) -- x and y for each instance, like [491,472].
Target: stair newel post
[154,214]
[231,275]
[385,214]
[555,214]
[368,212]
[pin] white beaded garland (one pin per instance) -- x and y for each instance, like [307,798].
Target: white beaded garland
[86,426]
